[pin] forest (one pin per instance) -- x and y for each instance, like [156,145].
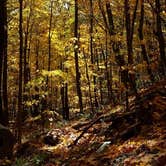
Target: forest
[82,83]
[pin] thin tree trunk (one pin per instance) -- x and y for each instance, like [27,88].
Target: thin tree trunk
[99,79]
[64,97]
[29,58]
[105,56]
[20,106]
[49,37]
[91,31]
[89,83]
[66,102]
[91,50]
[115,45]
[104,16]
[129,39]
[78,75]
[110,19]
[26,68]
[141,37]
[26,65]
[160,38]
[37,55]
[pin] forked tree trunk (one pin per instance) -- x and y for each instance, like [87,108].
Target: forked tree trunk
[129,24]
[110,29]
[141,37]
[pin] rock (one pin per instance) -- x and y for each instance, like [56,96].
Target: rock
[52,138]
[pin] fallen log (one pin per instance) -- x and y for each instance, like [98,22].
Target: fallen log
[7,142]
[140,114]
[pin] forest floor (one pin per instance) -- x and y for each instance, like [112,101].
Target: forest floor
[114,137]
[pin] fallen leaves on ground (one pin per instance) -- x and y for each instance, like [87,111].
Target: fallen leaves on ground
[95,148]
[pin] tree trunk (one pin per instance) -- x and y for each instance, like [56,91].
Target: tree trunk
[78,75]
[160,38]
[49,37]
[3,64]
[129,23]
[130,29]
[141,37]
[66,102]
[110,29]
[37,55]
[92,51]
[20,106]
[99,79]
[89,83]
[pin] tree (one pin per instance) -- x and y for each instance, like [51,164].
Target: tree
[108,30]
[49,36]
[106,48]
[160,37]
[3,64]
[129,24]
[76,47]
[141,37]
[20,106]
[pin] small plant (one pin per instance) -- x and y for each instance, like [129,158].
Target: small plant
[39,159]
[21,162]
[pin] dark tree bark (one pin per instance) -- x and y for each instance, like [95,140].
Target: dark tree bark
[91,31]
[64,97]
[130,29]
[129,24]
[26,54]
[160,38]
[78,75]
[37,46]
[49,36]
[109,24]
[89,83]
[105,57]
[141,37]
[104,16]
[110,18]
[66,103]
[20,106]
[26,38]
[92,52]
[115,46]
[3,64]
